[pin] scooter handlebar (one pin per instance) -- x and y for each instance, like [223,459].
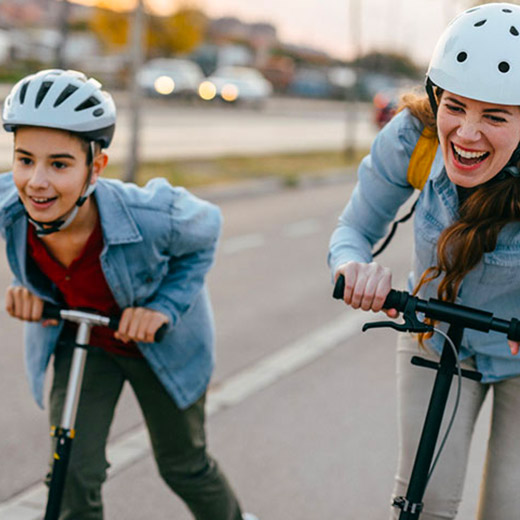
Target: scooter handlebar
[55,312]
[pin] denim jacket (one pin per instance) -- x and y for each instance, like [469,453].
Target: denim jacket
[382,187]
[159,243]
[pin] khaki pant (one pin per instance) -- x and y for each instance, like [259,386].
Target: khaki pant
[177,437]
[500,488]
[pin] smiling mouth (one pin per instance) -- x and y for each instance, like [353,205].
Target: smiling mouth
[42,200]
[468,158]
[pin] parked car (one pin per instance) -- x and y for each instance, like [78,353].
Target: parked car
[170,77]
[233,84]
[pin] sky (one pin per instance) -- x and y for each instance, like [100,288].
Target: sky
[338,26]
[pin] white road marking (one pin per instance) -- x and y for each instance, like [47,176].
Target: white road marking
[242,242]
[134,446]
[302,228]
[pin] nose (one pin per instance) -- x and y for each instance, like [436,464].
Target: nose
[39,179]
[469,129]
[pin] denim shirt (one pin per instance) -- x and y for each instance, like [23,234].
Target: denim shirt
[382,187]
[159,243]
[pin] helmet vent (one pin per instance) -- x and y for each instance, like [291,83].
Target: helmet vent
[42,92]
[503,66]
[507,11]
[462,57]
[98,112]
[514,31]
[65,94]
[480,24]
[90,102]
[23,92]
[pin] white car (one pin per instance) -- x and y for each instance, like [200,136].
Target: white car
[170,77]
[235,85]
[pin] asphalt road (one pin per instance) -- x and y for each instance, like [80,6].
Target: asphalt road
[301,407]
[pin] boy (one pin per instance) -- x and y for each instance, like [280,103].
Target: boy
[78,240]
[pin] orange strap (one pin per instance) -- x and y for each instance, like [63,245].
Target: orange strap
[422,158]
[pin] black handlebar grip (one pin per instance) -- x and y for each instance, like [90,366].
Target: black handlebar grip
[393,300]
[51,311]
[339,288]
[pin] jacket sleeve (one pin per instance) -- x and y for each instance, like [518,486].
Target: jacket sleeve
[195,227]
[381,189]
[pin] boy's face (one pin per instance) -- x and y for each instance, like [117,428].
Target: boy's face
[50,171]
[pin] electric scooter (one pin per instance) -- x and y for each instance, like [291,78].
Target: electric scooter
[64,433]
[458,317]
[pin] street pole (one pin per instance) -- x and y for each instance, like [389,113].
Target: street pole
[136,60]
[355,20]
[63,30]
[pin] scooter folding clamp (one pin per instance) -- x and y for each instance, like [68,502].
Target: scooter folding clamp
[407,506]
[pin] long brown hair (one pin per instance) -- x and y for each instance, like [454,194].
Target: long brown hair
[482,216]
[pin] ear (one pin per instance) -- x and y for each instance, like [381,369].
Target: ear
[99,164]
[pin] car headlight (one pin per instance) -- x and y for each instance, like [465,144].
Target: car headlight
[164,85]
[207,90]
[229,92]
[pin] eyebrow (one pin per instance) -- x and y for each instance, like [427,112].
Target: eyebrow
[486,110]
[53,156]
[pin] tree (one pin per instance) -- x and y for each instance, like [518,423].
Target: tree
[389,63]
[179,33]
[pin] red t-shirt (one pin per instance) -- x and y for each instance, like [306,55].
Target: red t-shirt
[83,286]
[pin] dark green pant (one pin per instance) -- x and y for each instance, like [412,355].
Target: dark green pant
[177,437]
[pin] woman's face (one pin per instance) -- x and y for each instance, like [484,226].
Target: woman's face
[49,171]
[477,139]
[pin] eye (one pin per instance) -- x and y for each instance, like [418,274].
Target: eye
[454,108]
[59,165]
[25,161]
[496,119]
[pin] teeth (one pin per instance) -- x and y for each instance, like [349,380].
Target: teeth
[468,155]
[40,200]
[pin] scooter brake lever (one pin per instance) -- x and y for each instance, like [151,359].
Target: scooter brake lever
[411,322]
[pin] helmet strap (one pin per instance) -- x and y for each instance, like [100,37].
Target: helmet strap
[431,95]
[46,228]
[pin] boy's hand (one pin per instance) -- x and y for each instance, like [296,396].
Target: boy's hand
[22,304]
[514,346]
[139,324]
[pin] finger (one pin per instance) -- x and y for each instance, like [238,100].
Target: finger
[36,308]
[384,286]
[350,276]
[134,324]
[370,292]
[124,323]
[158,320]
[359,291]
[17,302]
[9,301]
[50,323]
[514,346]
[145,326]
[27,303]
[391,313]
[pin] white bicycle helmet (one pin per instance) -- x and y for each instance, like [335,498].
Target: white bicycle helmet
[62,99]
[478,55]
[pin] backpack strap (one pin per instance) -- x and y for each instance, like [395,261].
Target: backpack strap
[419,168]
[422,158]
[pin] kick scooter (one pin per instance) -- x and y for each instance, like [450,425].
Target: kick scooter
[459,318]
[64,433]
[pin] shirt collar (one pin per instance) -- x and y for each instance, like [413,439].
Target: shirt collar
[119,226]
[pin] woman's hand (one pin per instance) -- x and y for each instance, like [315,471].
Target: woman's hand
[139,324]
[366,286]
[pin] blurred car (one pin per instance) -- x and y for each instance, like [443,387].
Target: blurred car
[385,107]
[170,78]
[235,84]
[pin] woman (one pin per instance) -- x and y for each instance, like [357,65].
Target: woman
[75,239]
[467,246]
